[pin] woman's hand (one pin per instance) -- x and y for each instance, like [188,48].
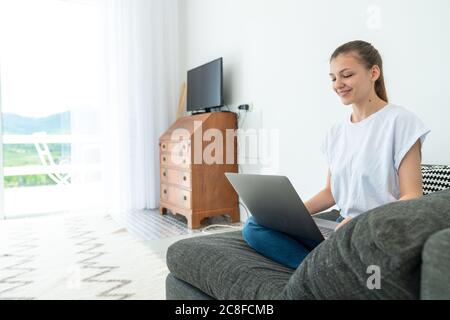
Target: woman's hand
[346,220]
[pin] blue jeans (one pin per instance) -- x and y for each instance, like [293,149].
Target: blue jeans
[276,245]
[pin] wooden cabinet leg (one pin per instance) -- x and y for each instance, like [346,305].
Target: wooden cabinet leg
[162,211]
[235,216]
[193,222]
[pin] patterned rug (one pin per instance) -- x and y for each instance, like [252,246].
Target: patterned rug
[69,256]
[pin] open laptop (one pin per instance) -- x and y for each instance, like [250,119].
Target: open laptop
[274,203]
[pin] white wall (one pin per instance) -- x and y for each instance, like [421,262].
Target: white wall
[276,55]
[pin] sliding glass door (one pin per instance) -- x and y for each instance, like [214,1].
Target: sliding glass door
[36,160]
[49,55]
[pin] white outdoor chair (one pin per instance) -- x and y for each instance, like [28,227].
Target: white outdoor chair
[47,160]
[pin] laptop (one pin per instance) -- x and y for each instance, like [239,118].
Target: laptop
[274,203]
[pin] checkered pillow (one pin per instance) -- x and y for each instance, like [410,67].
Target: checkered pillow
[435,178]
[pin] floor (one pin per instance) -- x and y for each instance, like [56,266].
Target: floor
[44,199]
[90,256]
[172,228]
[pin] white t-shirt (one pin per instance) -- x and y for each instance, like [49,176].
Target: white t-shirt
[364,157]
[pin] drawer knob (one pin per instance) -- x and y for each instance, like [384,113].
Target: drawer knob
[165,191]
[184,198]
[164,174]
[184,160]
[184,178]
[163,146]
[164,159]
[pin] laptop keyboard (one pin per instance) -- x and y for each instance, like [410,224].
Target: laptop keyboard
[326,232]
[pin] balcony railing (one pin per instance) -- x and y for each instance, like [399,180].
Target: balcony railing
[48,166]
[58,173]
[47,198]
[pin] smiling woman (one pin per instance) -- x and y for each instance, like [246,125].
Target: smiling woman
[357,74]
[375,154]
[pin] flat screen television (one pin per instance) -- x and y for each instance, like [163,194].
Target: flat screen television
[204,86]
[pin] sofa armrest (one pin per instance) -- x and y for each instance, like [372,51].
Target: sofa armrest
[435,276]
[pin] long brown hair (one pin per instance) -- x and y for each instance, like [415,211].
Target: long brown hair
[367,56]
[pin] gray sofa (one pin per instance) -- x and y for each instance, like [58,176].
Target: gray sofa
[408,241]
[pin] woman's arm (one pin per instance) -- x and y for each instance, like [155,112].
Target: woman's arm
[323,200]
[410,174]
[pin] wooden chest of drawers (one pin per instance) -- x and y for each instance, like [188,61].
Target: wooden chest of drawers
[191,183]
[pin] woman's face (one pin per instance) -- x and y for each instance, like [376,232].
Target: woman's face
[351,80]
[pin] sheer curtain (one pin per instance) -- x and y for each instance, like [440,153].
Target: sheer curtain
[139,97]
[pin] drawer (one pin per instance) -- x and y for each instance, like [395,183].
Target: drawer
[179,197]
[164,192]
[175,160]
[183,197]
[181,147]
[172,176]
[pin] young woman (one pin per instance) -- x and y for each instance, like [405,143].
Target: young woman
[374,155]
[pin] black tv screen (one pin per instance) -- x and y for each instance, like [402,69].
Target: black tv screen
[204,86]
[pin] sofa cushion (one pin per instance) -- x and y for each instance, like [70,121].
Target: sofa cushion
[435,275]
[388,239]
[225,267]
[177,289]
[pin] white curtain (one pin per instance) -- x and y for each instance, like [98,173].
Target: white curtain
[141,91]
